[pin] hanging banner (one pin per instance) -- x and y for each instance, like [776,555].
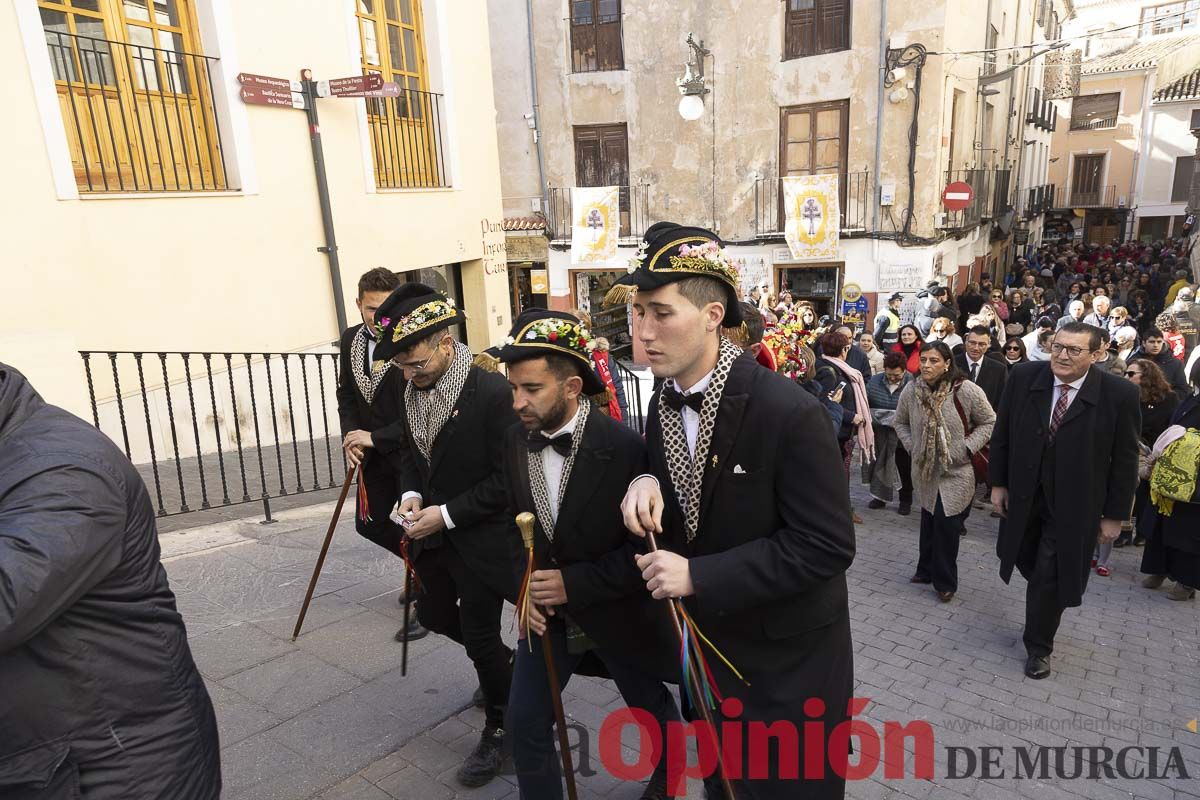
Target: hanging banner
[595,224]
[813,216]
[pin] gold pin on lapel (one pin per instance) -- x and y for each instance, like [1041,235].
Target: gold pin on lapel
[454,413]
[715,460]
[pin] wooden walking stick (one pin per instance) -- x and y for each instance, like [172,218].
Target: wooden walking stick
[312,584]
[694,677]
[525,521]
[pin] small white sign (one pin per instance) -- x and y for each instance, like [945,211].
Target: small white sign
[298,100]
[898,277]
[296,85]
[323,89]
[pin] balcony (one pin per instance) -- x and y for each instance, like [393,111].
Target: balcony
[634,205]
[1099,197]
[137,118]
[1040,112]
[993,197]
[407,140]
[855,191]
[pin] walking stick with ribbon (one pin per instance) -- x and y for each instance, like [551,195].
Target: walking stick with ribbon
[525,521]
[698,679]
[337,512]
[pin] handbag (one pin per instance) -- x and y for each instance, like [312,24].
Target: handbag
[979,461]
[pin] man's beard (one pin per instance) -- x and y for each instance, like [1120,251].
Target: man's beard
[553,419]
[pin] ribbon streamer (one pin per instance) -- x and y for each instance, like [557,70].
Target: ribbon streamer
[364,510]
[692,657]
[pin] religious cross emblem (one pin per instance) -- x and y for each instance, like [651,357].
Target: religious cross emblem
[811,212]
[595,221]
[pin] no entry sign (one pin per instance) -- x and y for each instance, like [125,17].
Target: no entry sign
[958,196]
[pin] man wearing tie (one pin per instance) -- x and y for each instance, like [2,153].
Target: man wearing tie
[569,464]
[987,373]
[1063,470]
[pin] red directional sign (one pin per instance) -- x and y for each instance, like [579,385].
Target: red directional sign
[958,196]
[355,84]
[251,80]
[270,96]
[389,89]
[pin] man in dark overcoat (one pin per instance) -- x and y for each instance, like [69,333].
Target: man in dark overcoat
[1063,470]
[569,464]
[753,514]
[99,695]
[368,397]
[464,543]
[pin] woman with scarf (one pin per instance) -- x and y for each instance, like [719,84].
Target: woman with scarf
[833,372]
[910,346]
[942,419]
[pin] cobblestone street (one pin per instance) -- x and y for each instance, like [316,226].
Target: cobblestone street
[330,716]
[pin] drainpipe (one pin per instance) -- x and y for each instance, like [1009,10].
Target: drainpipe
[883,8]
[1142,154]
[537,121]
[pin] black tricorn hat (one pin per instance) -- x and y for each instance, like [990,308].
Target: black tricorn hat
[670,252]
[539,332]
[412,312]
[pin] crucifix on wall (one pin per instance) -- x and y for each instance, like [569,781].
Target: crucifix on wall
[810,212]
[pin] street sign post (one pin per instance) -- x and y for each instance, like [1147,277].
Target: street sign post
[340,87]
[270,96]
[958,196]
[267,82]
[389,89]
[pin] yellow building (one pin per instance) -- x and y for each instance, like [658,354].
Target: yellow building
[153,203]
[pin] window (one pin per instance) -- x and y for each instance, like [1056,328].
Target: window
[1095,111]
[989,58]
[1086,189]
[1169,17]
[602,159]
[136,97]
[954,124]
[406,131]
[812,27]
[596,37]
[813,142]
[1194,124]
[1181,187]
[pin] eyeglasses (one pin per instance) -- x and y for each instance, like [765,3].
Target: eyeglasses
[1074,352]
[1013,349]
[416,367]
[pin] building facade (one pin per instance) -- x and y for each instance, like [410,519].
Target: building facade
[160,204]
[890,98]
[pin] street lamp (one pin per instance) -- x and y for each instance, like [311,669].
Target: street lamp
[691,85]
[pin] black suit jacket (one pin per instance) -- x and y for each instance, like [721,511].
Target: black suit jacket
[775,538]
[606,595]
[466,475]
[382,415]
[991,378]
[1096,457]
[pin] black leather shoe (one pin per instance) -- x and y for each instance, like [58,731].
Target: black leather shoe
[483,764]
[905,508]
[1037,667]
[920,579]
[1124,540]
[415,631]
[875,504]
[478,700]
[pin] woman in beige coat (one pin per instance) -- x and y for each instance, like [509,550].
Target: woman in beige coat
[930,425]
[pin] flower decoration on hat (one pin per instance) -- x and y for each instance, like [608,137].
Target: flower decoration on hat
[707,258]
[558,332]
[424,316]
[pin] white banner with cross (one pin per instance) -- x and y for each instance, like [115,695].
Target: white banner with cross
[812,216]
[595,223]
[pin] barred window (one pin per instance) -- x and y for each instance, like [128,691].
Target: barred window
[813,27]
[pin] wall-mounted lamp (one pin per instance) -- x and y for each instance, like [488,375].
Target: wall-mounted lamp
[691,85]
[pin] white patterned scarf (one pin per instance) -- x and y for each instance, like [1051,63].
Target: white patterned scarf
[686,471]
[429,410]
[368,383]
[537,474]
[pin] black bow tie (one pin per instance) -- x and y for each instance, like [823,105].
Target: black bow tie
[677,401]
[561,443]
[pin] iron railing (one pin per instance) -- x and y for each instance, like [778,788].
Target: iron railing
[1099,197]
[993,197]
[210,430]
[596,44]
[1039,200]
[137,118]
[854,190]
[407,140]
[634,210]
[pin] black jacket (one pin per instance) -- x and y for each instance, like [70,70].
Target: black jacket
[829,375]
[1095,467]
[1172,369]
[858,359]
[606,595]
[381,417]
[991,377]
[769,560]
[98,691]
[467,476]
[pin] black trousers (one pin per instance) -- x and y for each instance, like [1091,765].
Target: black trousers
[1038,562]
[380,480]
[904,467]
[531,713]
[457,604]
[940,535]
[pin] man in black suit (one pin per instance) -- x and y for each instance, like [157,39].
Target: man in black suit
[368,397]
[754,516]
[856,358]
[452,495]
[988,373]
[1063,469]
[569,464]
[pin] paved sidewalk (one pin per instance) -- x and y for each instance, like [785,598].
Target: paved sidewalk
[330,717]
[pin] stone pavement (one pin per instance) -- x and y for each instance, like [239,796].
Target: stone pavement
[330,717]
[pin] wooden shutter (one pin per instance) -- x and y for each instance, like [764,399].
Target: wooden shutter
[1181,186]
[1085,184]
[833,32]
